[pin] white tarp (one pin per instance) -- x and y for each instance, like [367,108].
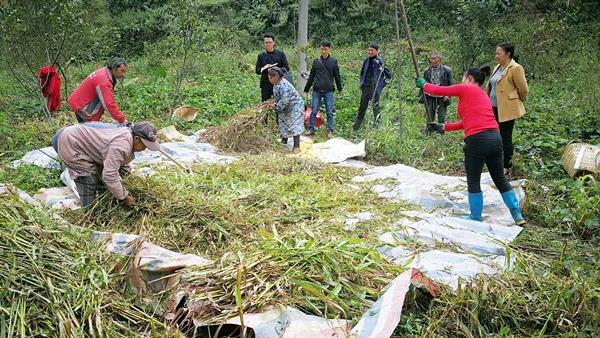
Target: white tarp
[449,248]
[337,150]
[431,191]
[44,157]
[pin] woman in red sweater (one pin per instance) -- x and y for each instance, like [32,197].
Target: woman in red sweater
[483,144]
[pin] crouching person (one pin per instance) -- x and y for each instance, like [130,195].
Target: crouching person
[289,107]
[98,152]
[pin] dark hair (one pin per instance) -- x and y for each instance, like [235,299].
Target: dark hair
[275,71]
[115,62]
[374,46]
[508,48]
[479,74]
[269,35]
[325,43]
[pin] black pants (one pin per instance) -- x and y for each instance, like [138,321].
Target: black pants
[506,131]
[436,106]
[367,93]
[266,91]
[484,147]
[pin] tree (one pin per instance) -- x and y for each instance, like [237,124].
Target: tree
[301,44]
[37,33]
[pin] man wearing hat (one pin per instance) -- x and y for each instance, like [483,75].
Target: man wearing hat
[96,151]
[373,77]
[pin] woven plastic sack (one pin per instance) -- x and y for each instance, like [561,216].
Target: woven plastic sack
[581,158]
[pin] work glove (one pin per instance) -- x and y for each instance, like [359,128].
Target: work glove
[129,201]
[420,82]
[439,127]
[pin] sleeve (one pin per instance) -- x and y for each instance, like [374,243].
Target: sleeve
[452,126]
[259,65]
[283,97]
[449,74]
[311,78]
[427,75]
[113,162]
[521,82]
[105,93]
[337,76]
[454,90]
[284,62]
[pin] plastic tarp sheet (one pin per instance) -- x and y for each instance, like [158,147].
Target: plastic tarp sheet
[152,268]
[44,157]
[337,150]
[450,248]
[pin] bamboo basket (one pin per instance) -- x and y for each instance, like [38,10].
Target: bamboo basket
[581,158]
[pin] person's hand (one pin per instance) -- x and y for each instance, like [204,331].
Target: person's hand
[265,67]
[436,126]
[129,201]
[420,82]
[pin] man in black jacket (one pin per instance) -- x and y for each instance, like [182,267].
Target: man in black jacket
[322,75]
[266,59]
[440,75]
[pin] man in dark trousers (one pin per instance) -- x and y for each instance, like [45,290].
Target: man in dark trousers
[323,73]
[441,75]
[373,77]
[266,59]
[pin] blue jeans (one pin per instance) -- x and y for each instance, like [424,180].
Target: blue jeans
[316,103]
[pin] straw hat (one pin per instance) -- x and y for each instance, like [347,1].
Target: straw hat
[186,112]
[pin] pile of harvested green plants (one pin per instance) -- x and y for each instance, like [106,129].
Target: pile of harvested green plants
[54,282]
[245,132]
[218,209]
[330,278]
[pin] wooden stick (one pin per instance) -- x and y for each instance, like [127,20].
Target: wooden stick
[186,169]
[414,57]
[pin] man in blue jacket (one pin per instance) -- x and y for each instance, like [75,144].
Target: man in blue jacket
[373,77]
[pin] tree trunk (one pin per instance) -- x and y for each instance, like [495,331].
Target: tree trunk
[301,45]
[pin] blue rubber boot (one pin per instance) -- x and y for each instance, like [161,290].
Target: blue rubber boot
[476,206]
[511,201]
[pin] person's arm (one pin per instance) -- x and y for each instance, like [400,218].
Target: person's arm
[283,97]
[259,65]
[520,82]
[115,157]
[454,90]
[337,76]
[105,93]
[453,126]
[311,77]
[284,62]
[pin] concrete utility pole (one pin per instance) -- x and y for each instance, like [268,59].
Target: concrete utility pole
[301,44]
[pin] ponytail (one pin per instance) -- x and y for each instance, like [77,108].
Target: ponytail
[479,74]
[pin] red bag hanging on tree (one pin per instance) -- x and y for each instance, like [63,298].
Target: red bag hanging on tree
[50,84]
[318,120]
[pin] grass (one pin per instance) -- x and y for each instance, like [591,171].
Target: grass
[56,283]
[220,209]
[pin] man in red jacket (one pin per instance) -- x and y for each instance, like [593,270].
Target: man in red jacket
[95,93]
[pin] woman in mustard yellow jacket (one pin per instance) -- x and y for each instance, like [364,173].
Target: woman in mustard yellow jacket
[507,89]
